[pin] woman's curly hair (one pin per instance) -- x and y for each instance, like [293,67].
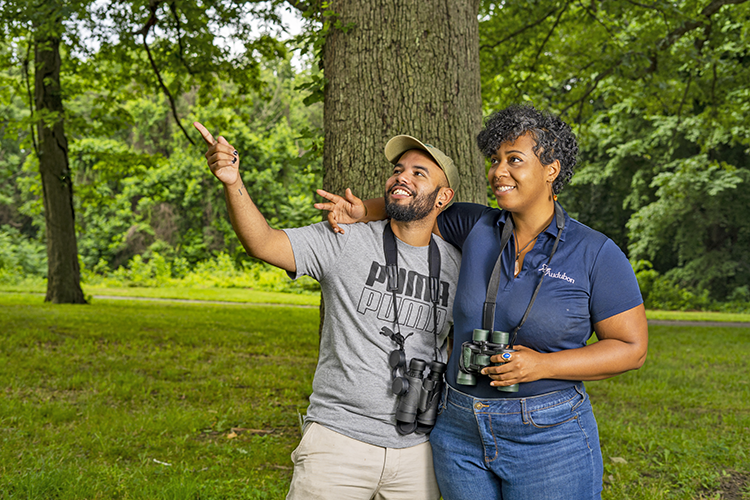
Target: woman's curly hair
[553,137]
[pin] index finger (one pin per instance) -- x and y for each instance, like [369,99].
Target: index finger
[329,196]
[207,137]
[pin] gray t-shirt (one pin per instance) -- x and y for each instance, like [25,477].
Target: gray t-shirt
[352,385]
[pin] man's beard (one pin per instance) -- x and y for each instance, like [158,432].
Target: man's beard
[419,207]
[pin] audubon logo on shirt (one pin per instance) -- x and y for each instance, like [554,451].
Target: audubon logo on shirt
[561,276]
[413,298]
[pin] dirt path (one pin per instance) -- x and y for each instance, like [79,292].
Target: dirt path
[196,301]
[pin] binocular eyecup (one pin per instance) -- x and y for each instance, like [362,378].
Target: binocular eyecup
[476,354]
[419,397]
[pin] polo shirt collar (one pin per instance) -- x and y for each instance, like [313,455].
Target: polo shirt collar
[551,229]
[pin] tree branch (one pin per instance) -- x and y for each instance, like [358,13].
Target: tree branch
[519,31]
[593,15]
[166,91]
[688,26]
[549,35]
[599,78]
[173,9]
[152,20]
[299,5]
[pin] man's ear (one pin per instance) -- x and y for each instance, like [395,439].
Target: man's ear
[445,195]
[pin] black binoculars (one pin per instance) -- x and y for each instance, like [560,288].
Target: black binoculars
[419,396]
[476,354]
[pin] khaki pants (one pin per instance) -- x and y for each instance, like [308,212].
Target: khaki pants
[328,465]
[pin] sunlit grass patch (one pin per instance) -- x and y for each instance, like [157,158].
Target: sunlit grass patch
[124,399]
[161,400]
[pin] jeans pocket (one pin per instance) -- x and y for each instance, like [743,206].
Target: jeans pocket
[551,416]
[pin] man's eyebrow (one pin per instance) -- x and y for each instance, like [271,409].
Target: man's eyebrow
[417,167]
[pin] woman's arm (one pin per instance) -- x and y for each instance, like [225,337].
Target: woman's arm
[622,345]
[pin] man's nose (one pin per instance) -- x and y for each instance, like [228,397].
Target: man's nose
[403,178]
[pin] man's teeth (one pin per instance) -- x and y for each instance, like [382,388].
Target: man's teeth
[401,191]
[502,189]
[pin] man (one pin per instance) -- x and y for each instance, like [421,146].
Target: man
[361,440]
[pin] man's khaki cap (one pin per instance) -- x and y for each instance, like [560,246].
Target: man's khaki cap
[400,144]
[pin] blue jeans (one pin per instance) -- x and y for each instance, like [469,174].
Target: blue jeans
[538,448]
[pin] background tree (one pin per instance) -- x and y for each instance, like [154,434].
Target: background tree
[41,28]
[399,67]
[185,38]
[657,93]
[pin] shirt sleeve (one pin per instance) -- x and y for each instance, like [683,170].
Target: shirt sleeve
[457,221]
[316,248]
[614,288]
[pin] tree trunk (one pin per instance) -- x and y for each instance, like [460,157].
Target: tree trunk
[63,273]
[405,67]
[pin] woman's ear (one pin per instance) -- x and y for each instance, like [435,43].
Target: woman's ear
[553,170]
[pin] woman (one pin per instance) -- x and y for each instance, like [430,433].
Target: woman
[557,282]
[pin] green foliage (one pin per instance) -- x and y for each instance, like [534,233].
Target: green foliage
[220,272]
[661,293]
[140,193]
[665,292]
[658,94]
[19,256]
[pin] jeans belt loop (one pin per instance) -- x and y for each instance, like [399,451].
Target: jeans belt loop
[579,388]
[582,392]
[524,414]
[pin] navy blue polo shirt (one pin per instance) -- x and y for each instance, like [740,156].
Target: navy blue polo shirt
[589,279]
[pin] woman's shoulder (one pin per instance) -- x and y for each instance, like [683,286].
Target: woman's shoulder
[580,231]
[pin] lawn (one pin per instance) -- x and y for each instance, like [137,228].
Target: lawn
[126,399]
[147,400]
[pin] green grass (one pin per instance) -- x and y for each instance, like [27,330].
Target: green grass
[213,294]
[96,400]
[682,422]
[698,316]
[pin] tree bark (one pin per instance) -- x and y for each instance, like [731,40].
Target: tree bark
[405,67]
[63,273]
